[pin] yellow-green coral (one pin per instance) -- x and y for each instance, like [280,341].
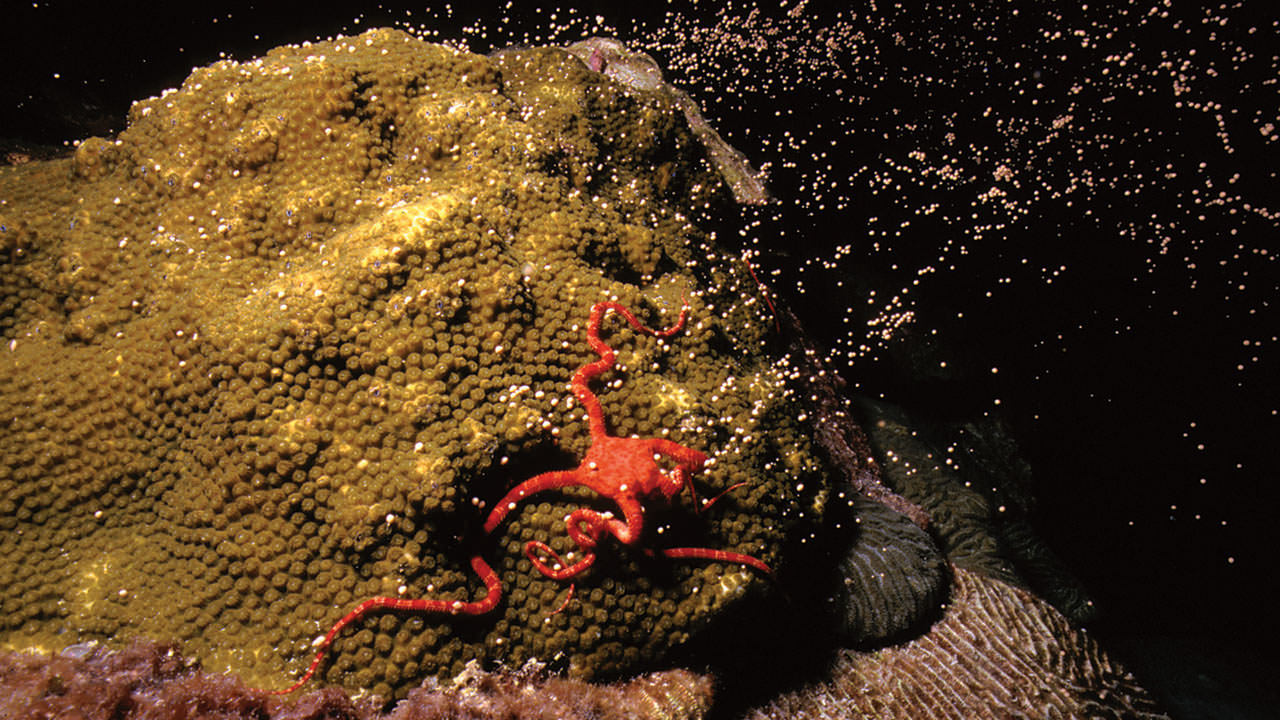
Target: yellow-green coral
[273,349]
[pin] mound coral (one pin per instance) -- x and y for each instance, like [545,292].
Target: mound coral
[279,346]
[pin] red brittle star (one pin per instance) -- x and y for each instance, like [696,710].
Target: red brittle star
[625,470]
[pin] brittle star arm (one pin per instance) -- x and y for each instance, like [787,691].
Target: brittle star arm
[584,527]
[539,483]
[688,463]
[592,370]
[713,555]
[493,594]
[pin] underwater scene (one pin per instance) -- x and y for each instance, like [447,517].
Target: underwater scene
[700,360]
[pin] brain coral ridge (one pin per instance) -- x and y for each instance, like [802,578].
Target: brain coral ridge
[274,349]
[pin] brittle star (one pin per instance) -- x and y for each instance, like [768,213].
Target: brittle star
[623,469]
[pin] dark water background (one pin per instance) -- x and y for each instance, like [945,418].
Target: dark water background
[1113,300]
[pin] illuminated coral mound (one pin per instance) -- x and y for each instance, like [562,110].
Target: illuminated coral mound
[276,348]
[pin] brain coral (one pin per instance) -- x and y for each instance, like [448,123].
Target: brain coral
[274,348]
[998,652]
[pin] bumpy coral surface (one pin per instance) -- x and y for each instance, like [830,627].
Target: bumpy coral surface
[277,347]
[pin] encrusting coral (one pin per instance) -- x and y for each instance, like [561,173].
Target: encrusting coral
[278,347]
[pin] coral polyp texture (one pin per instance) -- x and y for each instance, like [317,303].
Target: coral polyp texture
[281,345]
